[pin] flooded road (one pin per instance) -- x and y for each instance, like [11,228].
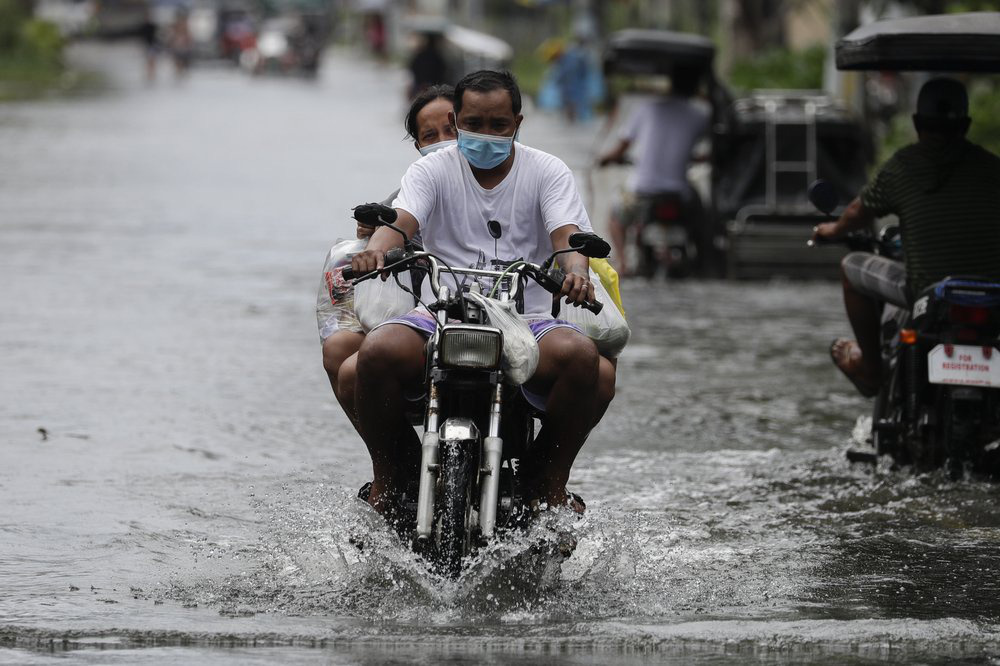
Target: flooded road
[177,483]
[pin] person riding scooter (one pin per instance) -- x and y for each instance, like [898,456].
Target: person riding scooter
[946,193]
[665,131]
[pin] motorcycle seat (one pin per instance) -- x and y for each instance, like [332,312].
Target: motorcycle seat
[970,291]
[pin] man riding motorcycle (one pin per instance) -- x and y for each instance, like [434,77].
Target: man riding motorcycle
[449,197]
[946,193]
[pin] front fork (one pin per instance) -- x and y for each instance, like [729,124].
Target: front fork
[430,456]
[490,471]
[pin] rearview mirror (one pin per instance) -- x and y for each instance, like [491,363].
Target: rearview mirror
[823,195]
[589,245]
[374,215]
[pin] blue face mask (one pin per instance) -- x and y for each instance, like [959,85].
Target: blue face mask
[484,151]
[427,150]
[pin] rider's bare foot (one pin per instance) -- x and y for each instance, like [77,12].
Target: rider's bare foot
[381,498]
[846,355]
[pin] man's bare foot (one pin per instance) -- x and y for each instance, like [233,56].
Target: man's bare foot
[846,355]
[381,498]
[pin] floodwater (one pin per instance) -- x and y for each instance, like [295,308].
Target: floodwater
[177,484]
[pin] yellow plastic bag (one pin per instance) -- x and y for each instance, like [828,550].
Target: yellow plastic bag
[609,278]
[608,329]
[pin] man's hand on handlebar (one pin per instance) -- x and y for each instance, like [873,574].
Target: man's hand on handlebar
[367,261]
[827,232]
[577,289]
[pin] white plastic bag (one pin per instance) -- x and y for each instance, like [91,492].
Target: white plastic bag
[520,350]
[608,330]
[377,300]
[335,299]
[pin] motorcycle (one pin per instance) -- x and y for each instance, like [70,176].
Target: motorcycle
[665,236]
[476,425]
[939,401]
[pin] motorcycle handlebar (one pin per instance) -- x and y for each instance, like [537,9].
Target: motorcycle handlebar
[373,214]
[856,241]
[553,284]
[397,260]
[393,256]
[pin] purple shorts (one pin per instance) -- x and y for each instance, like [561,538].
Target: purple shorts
[422,322]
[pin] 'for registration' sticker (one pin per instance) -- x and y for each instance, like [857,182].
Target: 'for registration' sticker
[964,364]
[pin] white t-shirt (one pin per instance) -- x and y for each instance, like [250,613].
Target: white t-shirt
[536,197]
[664,130]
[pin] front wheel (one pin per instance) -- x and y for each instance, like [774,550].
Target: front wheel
[454,511]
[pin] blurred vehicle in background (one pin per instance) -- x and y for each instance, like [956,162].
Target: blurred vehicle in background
[460,49]
[765,150]
[237,33]
[770,146]
[117,18]
[203,28]
[72,17]
[288,44]
[469,50]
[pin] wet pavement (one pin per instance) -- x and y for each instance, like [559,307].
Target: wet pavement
[177,483]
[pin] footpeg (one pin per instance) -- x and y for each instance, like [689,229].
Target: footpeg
[856,456]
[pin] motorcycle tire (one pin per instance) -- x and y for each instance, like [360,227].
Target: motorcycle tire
[678,264]
[454,538]
[648,263]
[886,416]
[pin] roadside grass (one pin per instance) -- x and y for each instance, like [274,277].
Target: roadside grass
[26,78]
[31,56]
[529,70]
[22,77]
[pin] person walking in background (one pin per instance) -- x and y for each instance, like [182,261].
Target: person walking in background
[572,82]
[572,74]
[150,43]
[181,43]
[428,66]
[375,34]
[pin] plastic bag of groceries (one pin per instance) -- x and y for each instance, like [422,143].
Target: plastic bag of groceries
[335,299]
[608,329]
[343,306]
[520,350]
[377,300]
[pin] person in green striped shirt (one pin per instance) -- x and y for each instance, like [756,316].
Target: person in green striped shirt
[946,194]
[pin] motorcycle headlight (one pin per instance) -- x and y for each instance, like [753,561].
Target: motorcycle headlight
[477,347]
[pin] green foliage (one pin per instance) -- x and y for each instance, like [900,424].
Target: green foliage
[41,40]
[529,70]
[12,16]
[899,133]
[984,100]
[781,68]
[30,53]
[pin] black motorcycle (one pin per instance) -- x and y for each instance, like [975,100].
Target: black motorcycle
[665,235]
[477,426]
[939,401]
